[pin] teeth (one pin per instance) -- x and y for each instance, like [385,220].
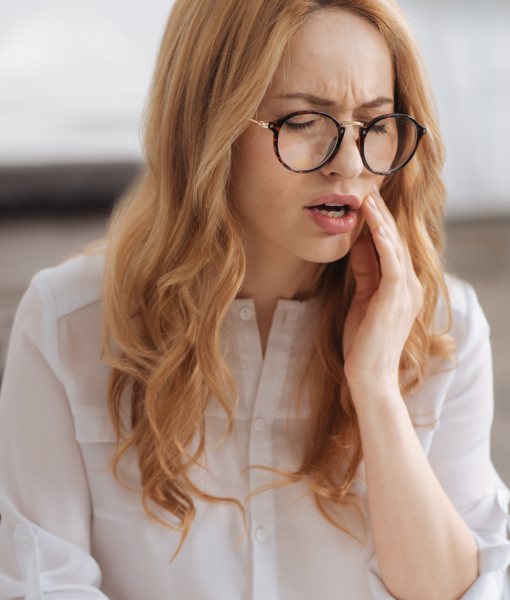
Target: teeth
[330,213]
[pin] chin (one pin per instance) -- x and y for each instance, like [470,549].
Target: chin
[334,252]
[327,257]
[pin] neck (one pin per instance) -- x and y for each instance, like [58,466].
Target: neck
[268,280]
[270,277]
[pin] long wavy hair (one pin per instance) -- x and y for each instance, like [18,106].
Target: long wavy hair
[175,262]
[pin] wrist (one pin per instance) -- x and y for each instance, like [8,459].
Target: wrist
[378,393]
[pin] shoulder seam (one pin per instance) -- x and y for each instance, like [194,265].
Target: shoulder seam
[76,299]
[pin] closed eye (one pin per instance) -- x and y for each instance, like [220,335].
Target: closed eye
[300,126]
[379,128]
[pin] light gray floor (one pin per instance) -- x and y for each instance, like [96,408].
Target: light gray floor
[478,252]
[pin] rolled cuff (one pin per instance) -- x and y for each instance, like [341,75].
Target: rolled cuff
[50,568]
[377,588]
[489,523]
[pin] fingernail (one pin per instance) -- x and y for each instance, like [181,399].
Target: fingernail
[371,202]
[381,231]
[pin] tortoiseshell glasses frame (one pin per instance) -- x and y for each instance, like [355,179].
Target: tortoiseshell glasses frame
[364,130]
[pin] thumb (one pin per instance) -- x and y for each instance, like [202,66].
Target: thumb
[365,268]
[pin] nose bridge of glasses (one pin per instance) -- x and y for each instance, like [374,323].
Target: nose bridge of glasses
[355,127]
[355,136]
[353,123]
[347,153]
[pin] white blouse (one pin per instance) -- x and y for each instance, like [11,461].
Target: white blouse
[69,530]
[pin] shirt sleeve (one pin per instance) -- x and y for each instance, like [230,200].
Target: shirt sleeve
[460,456]
[45,504]
[460,453]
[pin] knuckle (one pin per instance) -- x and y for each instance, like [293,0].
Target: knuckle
[396,274]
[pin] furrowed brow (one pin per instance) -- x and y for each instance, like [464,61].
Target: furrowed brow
[311,98]
[318,101]
[377,103]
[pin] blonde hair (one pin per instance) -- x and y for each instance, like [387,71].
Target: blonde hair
[175,262]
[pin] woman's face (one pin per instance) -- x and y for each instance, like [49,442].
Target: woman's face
[343,61]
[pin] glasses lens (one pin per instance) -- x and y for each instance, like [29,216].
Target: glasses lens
[389,143]
[306,140]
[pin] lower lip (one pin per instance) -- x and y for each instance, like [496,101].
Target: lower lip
[343,224]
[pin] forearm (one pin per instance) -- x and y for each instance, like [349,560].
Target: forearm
[424,548]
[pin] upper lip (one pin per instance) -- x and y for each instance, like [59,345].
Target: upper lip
[338,200]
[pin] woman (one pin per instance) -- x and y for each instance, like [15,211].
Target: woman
[293,401]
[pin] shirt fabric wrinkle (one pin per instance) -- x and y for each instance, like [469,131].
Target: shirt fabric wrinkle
[86,536]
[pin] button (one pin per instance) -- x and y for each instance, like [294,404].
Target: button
[24,542]
[246,313]
[260,534]
[260,424]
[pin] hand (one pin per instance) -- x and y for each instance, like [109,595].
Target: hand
[386,302]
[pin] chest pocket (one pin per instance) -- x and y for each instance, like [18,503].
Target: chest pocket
[95,434]
[110,500]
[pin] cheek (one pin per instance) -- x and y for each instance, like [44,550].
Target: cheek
[258,177]
[252,152]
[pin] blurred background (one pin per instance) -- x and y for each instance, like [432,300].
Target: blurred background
[74,77]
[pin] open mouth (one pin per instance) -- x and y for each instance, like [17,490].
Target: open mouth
[334,212]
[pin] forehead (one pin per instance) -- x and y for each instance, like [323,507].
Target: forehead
[339,55]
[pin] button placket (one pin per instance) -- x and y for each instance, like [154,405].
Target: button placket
[26,551]
[246,313]
[260,534]
[272,379]
[246,363]
[259,424]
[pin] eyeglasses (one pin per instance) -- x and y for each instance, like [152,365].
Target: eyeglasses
[306,140]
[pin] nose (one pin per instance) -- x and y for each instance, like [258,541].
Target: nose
[347,161]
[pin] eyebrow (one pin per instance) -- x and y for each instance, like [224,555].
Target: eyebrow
[318,101]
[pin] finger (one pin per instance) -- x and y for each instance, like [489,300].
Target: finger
[376,193]
[365,267]
[413,282]
[391,264]
[390,223]
[375,218]
[385,211]
[402,246]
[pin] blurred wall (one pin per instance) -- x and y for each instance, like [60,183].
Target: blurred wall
[466,45]
[74,75]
